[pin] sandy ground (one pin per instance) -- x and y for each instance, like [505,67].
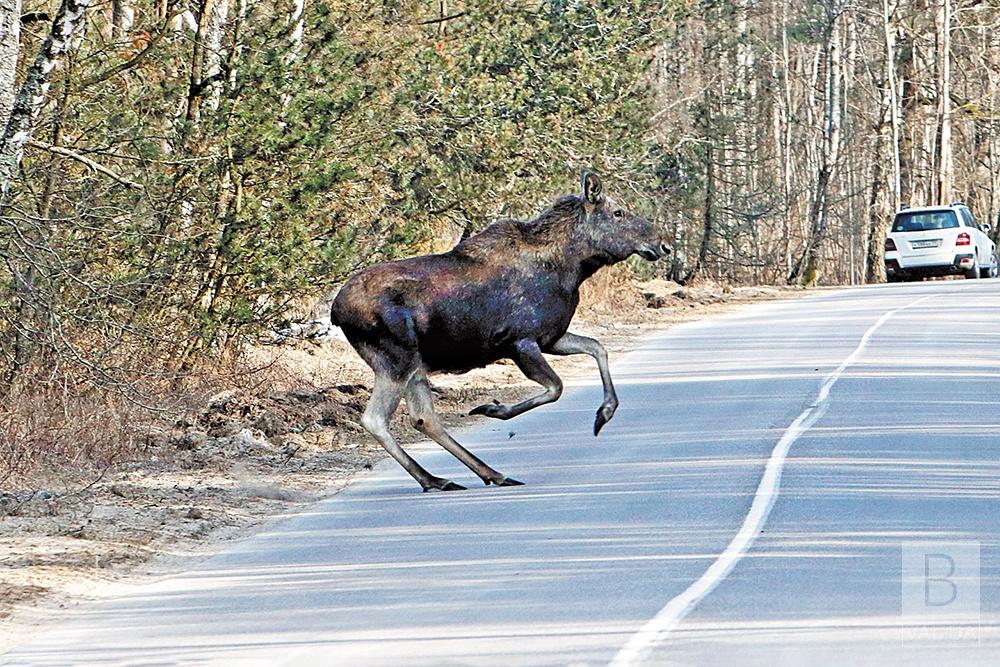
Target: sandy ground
[249,456]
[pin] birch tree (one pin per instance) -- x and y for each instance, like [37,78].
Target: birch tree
[122,18]
[807,267]
[943,154]
[33,92]
[206,58]
[884,196]
[10,34]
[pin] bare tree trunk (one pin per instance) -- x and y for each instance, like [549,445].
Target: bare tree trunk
[943,157]
[708,229]
[217,17]
[810,150]
[708,215]
[878,204]
[206,76]
[992,161]
[122,17]
[806,270]
[705,123]
[297,17]
[297,20]
[884,195]
[10,35]
[993,165]
[888,14]
[34,91]
[849,184]
[922,117]
[786,140]
[206,58]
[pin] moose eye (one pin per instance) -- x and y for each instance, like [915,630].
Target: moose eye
[619,214]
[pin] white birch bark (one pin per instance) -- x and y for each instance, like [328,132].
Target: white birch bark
[10,35]
[944,155]
[237,47]
[122,18]
[33,93]
[297,18]
[993,159]
[786,139]
[807,268]
[888,12]
[215,17]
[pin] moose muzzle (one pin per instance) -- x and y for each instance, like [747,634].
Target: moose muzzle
[652,252]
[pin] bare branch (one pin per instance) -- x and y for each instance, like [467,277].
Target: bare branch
[60,150]
[442,19]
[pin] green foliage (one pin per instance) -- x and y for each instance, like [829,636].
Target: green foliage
[381,134]
[503,120]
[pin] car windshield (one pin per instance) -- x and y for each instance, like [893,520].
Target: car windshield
[924,221]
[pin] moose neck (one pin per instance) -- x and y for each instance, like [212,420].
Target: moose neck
[592,264]
[580,263]
[558,244]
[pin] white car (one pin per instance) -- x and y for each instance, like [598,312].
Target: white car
[938,241]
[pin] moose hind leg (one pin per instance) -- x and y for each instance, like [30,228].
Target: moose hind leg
[383,403]
[528,357]
[420,404]
[574,344]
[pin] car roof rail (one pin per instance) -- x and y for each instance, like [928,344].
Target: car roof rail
[957,202]
[903,207]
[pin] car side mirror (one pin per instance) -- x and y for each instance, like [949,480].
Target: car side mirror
[987,229]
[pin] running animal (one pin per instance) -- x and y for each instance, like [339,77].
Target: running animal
[508,292]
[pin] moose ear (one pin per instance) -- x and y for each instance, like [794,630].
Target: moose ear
[591,184]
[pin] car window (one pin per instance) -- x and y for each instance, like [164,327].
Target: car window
[969,220]
[924,221]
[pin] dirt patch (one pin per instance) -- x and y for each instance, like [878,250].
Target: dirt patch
[251,454]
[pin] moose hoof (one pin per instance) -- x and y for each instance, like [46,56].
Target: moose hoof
[604,415]
[499,480]
[439,484]
[494,410]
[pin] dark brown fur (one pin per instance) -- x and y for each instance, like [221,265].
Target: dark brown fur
[508,292]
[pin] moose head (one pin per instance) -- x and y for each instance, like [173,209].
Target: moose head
[612,230]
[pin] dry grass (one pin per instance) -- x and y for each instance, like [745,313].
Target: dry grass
[609,292]
[50,428]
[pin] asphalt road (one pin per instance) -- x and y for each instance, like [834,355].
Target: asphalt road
[810,481]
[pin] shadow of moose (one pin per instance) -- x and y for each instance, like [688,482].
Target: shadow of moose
[508,292]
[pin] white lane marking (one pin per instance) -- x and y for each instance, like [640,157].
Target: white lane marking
[658,627]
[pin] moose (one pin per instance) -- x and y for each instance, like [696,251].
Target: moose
[508,292]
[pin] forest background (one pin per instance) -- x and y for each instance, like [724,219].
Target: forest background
[181,180]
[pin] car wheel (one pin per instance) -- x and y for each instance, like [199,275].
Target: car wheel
[993,269]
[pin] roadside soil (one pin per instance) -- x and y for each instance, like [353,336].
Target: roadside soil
[249,455]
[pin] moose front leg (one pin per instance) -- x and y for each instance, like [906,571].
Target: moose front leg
[528,357]
[574,344]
